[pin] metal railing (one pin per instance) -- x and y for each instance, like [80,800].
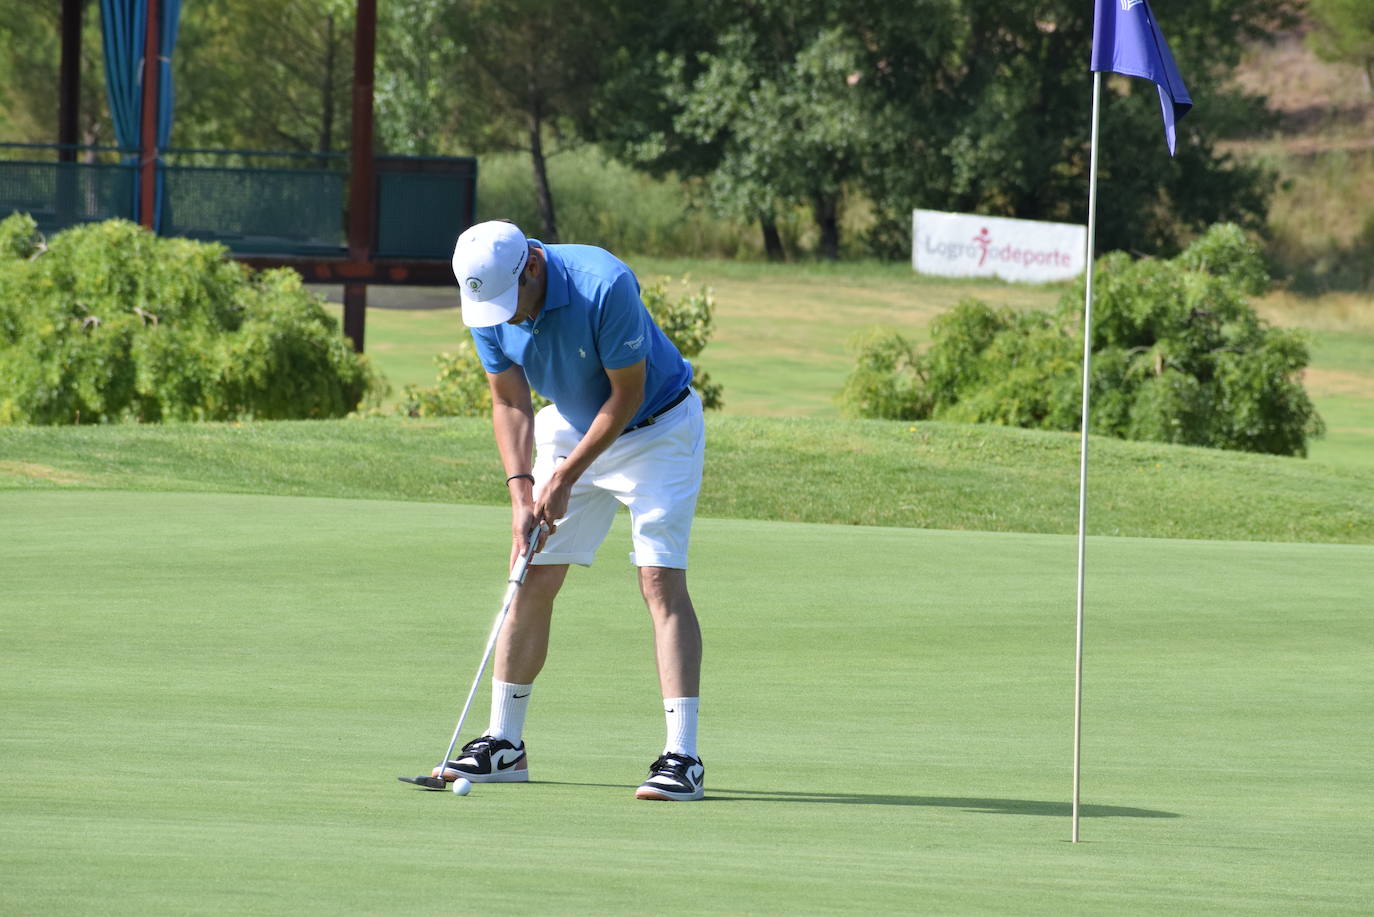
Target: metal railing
[218,196]
[88,185]
[255,202]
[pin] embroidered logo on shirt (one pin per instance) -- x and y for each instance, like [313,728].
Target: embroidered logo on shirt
[634,345]
[582,352]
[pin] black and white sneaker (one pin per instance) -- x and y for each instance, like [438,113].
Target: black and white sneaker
[488,760]
[674,778]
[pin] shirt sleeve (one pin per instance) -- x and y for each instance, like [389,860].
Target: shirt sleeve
[623,331]
[494,359]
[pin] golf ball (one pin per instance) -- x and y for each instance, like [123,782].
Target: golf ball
[462,786]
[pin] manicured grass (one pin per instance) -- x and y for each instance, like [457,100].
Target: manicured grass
[926,475]
[208,699]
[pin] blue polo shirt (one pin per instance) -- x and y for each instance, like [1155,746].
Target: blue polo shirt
[592,320]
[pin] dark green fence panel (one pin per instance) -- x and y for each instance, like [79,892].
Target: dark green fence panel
[423,204]
[257,211]
[62,194]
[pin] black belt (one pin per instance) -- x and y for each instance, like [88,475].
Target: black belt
[649,421]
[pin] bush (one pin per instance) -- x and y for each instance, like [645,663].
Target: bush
[461,388]
[108,322]
[1179,356]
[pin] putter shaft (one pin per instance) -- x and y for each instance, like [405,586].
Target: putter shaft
[516,580]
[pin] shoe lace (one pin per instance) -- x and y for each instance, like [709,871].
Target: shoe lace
[482,745]
[672,763]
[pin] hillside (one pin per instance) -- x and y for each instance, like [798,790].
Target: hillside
[926,475]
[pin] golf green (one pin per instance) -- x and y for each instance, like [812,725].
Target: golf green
[207,700]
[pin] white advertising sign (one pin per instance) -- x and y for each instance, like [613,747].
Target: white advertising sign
[965,245]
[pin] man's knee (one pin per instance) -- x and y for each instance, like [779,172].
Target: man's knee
[542,582]
[665,590]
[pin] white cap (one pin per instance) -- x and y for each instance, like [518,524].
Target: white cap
[487,261]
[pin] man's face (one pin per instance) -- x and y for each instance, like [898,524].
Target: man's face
[528,298]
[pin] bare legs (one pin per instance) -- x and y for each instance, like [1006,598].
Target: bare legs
[524,642]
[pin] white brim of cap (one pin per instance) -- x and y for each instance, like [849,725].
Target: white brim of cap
[495,311]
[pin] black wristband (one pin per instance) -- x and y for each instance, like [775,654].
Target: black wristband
[521,475]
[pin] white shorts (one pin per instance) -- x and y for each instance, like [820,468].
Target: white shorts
[655,471]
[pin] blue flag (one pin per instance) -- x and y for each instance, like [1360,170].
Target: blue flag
[1127,41]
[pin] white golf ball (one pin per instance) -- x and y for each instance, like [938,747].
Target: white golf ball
[462,786]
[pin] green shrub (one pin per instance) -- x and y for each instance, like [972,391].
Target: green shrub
[108,322]
[887,382]
[1179,356]
[461,388]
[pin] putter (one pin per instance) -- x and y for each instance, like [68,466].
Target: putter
[516,580]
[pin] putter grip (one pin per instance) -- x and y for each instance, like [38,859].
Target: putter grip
[522,564]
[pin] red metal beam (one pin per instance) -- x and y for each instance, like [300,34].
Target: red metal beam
[393,271]
[148,145]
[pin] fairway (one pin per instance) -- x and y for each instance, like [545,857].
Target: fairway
[207,700]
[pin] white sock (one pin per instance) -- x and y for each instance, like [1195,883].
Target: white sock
[681,714]
[508,705]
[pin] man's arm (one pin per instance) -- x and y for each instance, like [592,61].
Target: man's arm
[627,394]
[512,422]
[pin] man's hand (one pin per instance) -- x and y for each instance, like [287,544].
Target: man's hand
[552,502]
[523,525]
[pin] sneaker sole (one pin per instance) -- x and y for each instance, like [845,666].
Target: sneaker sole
[658,794]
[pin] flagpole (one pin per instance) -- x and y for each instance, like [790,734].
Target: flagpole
[1083,456]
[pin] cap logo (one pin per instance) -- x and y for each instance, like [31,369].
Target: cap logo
[474,284]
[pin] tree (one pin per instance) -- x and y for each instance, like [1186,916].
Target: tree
[30,58]
[1345,33]
[995,110]
[529,67]
[265,74]
[417,104]
[793,127]
[947,104]
[775,110]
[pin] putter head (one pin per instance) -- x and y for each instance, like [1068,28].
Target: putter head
[429,783]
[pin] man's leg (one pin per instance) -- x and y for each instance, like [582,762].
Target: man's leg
[678,773]
[523,644]
[521,648]
[677,635]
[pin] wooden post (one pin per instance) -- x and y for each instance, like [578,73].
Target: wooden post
[362,175]
[152,53]
[69,82]
[68,110]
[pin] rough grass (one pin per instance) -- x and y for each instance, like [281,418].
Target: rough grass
[927,475]
[783,332]
[1323,153]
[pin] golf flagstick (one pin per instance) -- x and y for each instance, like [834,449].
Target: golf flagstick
[1083,462]
[515,581]
[1126,40]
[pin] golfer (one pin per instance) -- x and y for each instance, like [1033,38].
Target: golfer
[625,427]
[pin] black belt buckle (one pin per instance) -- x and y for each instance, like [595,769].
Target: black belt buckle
[652,418]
